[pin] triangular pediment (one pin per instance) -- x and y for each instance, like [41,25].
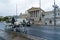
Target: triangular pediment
[34,9]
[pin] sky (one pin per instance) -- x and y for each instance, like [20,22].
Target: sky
[8,7]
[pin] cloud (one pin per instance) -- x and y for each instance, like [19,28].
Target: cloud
[4,1]
[8,7]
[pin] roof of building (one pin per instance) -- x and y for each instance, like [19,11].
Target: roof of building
[53,10]
[35,8]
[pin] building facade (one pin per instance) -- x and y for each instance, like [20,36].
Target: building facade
[49,18]
[35,14]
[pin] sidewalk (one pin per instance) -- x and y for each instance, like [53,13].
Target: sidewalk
[33,37]
[38,23]
[22,36]
[15,36]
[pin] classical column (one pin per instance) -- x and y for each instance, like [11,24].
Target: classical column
[34,13]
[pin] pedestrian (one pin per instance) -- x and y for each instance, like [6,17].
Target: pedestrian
[13,20]
[24,22]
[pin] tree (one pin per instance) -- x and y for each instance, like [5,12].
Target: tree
[5,18]
[0,19]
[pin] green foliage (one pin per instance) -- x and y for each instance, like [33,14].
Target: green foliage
[0,19]
[4,18]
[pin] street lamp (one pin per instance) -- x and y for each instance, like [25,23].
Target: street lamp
[16,9]
[55,6]
[40,11]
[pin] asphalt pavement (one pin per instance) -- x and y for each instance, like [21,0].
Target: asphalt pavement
[46,32]
[8,35]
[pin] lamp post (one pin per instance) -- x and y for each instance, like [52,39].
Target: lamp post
[40,18]
[55,6]
[16,9]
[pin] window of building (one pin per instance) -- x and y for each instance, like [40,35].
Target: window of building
[58,13]
[50,21]
[40,19]
[43,15]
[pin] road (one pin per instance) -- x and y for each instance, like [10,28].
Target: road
[46,32]
[8,35]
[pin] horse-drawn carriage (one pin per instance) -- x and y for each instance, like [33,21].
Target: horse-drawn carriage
[18,26]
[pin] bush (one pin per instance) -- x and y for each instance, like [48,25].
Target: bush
[4,19]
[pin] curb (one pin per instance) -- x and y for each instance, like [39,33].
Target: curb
[32,37]
[29,36]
